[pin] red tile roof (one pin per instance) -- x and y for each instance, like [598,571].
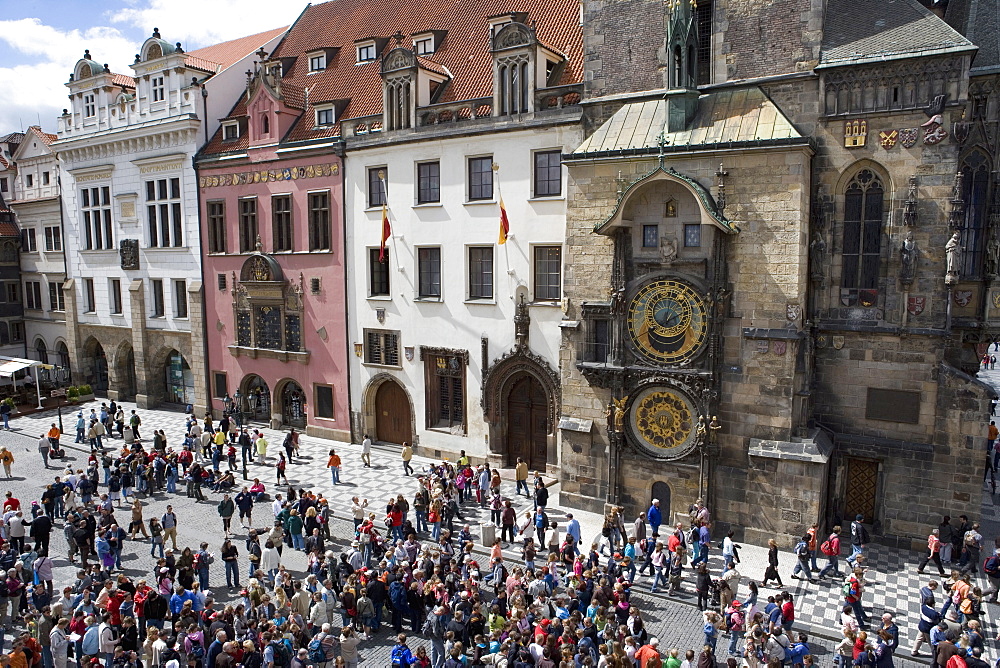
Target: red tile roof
[464,55]
[8,228]
[220,56]
[123,80]
[46,138]
[4,163]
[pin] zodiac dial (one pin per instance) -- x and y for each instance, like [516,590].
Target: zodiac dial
[667,322]
[663,420]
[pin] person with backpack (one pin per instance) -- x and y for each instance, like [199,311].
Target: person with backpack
[991,567]
[802,554]
[400,657]
[859,538]
[134,422]
[851,590]
[276,652]
[831,549]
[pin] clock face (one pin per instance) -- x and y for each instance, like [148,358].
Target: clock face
[667,322]
[664,422]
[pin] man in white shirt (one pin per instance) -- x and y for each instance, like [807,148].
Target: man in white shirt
[366,451]
[276,505]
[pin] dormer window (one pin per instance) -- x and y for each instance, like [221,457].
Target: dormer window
[424,45]
[89,106]
[324,115]
[230,131]
[497,24]
[366,51]
[158,88]
[317,62]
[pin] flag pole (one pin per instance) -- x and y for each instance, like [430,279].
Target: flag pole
[504,230]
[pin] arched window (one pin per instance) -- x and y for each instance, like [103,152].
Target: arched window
[41,351]
[975,187]
[864,208]
[678,67]
[265,125]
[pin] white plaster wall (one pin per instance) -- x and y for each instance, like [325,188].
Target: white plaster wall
[455,224]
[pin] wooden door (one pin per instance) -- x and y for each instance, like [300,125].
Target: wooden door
[392,414]
[527,423]
[862,486]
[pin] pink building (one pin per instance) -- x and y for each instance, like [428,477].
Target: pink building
[273,256]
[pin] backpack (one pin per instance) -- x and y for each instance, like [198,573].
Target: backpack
[397,656]
[197,650]
[845,589]
[801,549]
[827,548]
[282,655]
[317,654]
[991,566]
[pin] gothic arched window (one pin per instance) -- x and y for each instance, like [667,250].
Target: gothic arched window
[975,188]
[864,208]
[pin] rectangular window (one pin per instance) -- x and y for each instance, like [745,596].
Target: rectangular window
[703,18]
[57,298]
[381,347]
[428,182]
[17,331]
[650,236]
[601,341]
[45,178]
[481,272]
[222,281]
[158,89]
[33,295]
[324,401]
[156,288]
[89,106]
[692,235]
[548,273]
[28,242]
[89,298]
[116,296]
[548,173]
[95,204]
[29,179]
[230,131]
[281,222]
[324,116]
[220,385]
[445,391]
[366,52]
[180,299]
[423,46]
[429,270]
[217,227]
[53,239]
[14,293]
[163,212]
[319,221]
[481,178]
[3,185]
[378,284]
[248,225]
[378,183]
[317,62]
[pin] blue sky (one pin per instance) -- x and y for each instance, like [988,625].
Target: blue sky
[41,40]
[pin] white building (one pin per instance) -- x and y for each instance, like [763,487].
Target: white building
[134,294]
[38,208]
[455,336]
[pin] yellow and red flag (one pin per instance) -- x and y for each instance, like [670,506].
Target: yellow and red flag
[504,224]
[386,232]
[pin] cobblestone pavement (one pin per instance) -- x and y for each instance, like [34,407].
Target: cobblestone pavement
[894,581]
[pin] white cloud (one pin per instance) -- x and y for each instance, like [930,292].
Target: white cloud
[35,88]
[217,20]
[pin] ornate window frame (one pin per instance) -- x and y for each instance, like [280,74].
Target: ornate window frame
[267,312]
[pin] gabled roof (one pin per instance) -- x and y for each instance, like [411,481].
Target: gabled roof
[225,54]
[12,138]
[979,21]
[865,31]
[464,55]
[123,80]
[731,117]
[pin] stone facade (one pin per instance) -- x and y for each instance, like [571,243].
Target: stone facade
[843,364]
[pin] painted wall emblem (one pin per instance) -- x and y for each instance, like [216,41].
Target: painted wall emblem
[963,297]
[838,342]
[908,137]
[792,312]
[855,133]
[887,138]
[916,305]
[779,347]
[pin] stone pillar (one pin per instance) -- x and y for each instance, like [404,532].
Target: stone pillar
[137,297]
[73,342]
[199,353]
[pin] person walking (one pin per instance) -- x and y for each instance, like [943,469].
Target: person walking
[991,567]
[43,448]
[407,455]
[6,458]
[333,463]
[831,548]
[226,510]
[5,410]
[933,553]
[521,476]
[802,554]
[169,524]
[771,572]
[279,468]
[654,516]
[366,451]
[859,538]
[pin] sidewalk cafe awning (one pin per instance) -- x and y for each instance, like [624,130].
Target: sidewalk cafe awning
[11,365]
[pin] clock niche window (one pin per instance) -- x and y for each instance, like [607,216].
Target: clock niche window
[268,309]
[667,322]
